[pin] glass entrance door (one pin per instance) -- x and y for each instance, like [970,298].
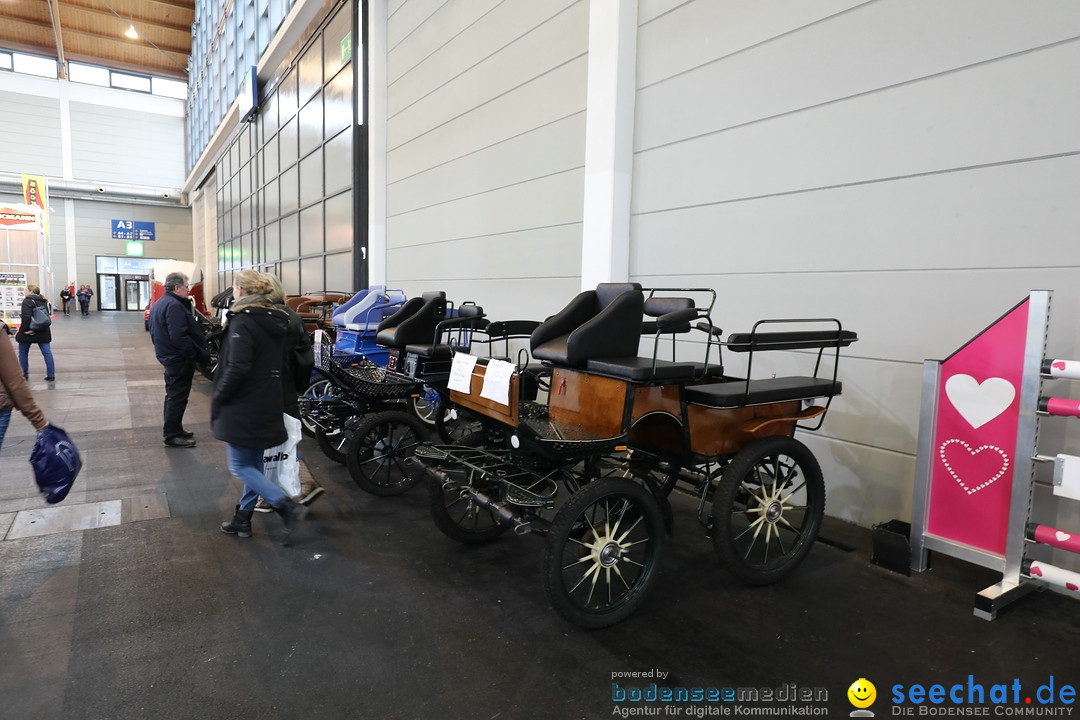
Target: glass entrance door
[108,292]
[136,293]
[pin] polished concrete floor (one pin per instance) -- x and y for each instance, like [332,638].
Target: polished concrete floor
[126,601]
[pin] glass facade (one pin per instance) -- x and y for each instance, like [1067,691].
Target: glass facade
[285,184]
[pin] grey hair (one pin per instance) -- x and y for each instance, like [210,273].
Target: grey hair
[175,280]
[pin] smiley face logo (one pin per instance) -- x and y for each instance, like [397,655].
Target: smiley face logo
[862,693]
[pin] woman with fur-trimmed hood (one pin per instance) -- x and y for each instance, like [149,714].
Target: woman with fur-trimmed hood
[247,407]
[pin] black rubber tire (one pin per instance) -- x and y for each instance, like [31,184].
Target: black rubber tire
[319,387]
[378,451]
[589,537]
[334,445]
[772,486]
[461,518]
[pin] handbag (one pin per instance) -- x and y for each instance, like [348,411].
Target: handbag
[281,464]
[40,318]
[56,463]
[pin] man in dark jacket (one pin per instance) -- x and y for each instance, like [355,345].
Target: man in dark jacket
[179,344]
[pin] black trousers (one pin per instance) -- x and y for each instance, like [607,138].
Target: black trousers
[177,388]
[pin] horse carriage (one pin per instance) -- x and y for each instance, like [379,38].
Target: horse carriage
[591,469]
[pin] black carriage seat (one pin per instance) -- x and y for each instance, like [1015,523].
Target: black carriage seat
[414,323]
[739,393]
[673,317]
[600,323]
[450,334]
[644,369]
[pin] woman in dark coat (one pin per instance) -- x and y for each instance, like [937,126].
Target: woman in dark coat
[247,406]
[27,337]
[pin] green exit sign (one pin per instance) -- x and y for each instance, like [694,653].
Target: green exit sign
[134,249]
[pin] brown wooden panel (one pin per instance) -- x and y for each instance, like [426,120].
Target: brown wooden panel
[489,408]
[591,402]
[715,431]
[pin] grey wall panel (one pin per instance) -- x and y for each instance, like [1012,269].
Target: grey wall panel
[926,222]
[546,150]
[550,201]
[546,47]
[697,33]
[486,150]
[552,96]
[35,122]
[874,46]
[938,124]
[424,42]
[429,61]
[407,17]
[124,146]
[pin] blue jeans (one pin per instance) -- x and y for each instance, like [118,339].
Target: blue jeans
[46,352]
[5,418]
[247,465]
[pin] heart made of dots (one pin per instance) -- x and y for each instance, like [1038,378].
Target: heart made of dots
[973,453]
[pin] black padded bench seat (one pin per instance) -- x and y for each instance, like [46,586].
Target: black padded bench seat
[735,393]
[794,340]
[641,369]
[435,352]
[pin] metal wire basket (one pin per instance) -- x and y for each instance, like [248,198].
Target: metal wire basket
[365,377]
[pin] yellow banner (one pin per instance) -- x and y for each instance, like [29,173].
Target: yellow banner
[35,192]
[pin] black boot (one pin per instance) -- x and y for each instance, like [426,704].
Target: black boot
[291,514]
[240,525]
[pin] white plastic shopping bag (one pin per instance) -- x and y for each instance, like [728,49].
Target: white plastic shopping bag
[281,464]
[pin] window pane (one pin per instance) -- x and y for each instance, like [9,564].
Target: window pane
[339,226]
[290,277]
[169,88]
[290,237]
[311,275]
[339,162]
[130,82]
[311,175]
[34,65]
[339,272]
[289,190]
[5,61]
[88,74]
[311,229]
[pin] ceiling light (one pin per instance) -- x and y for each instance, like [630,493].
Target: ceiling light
[130,32]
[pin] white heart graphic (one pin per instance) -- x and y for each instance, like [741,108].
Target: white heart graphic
[1062,536]
[979,403]
[956,476]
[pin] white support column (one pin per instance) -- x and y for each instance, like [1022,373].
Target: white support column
[71,257]
[376,133]
[609,141]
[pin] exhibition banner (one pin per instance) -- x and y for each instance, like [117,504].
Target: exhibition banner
[975,436]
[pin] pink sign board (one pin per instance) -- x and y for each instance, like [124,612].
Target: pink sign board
[978,413]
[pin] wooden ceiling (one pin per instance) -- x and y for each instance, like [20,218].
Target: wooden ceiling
[92,31]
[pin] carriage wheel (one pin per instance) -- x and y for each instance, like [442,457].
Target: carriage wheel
[335,444]
[426,406]
[461,518]
[768,509]
[319,389]
[602,551]
[377,452]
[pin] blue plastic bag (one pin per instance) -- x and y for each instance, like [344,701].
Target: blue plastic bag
[56,463]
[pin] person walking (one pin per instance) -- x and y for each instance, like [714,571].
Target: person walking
[14,392]
[41,337]
[299,362]
[179,343]
[84,295]
[248,403]
[65,298]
